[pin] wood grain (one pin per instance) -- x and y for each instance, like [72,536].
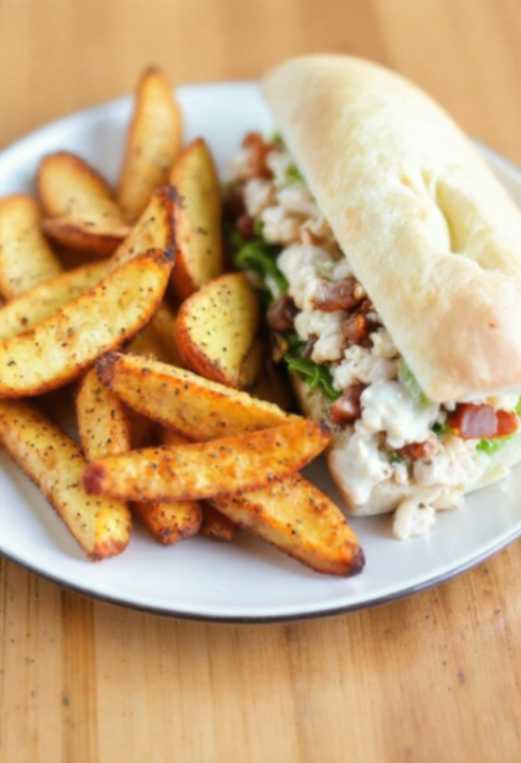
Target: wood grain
[436,677]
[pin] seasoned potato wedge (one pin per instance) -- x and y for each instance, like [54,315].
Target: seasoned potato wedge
[170,521]
[216,526]
[153,142]
[216,328]
[163,323]
[56,351]
[153,230]
[54,462]
[102,420]
[26,258]
[147,344]
[197,219]
[79,206]
[196,407]
[45,300]
[203,470]
[299,519]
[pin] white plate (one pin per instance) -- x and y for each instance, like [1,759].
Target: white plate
[247,580]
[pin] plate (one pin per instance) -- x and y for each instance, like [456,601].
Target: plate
[247,580]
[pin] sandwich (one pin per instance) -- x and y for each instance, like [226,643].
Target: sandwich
[389,260]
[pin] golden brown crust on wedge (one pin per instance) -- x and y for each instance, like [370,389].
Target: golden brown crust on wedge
[102,419]
[153,230]
[428,230]
[216,525]
[48,298]
[56,351]
[79,206]
[204,470]
[216,328]
[153,142]
[196,407]
[197,219]
[297,518]
[54,462]
[26,258]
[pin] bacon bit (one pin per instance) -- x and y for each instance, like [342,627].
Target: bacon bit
[245,225]
[338,295]
[474,421]
[281,314]
[355,329]
[506,423]
[347,408]
[258,151]
[366,306]
[415,451]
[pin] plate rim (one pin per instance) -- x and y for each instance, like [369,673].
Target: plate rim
[97,110]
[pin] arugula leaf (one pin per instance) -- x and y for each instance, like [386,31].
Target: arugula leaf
[491,446]
[315,375]
[293,174]
[441,429]
[261,258]
[409,381]
[517,409]
[277,139]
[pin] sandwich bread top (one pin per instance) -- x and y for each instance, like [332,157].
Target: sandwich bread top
[428,230]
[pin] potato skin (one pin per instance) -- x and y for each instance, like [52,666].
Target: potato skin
[26,258]
[203,470]
[195,407]
[55,464]
[56,351]
[216,328]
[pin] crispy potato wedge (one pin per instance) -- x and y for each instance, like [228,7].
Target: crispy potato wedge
[79,206]
[299,519]
[216,328]
[216,526]
[204,470]
[54,462]
[102,420]
[163,323]
[153,142]
[153,230]
[48,298]
[196,407]
[147,344]
[197,219]
[56,351]
[26,258]
[170,521]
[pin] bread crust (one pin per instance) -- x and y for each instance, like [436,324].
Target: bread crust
[428,230]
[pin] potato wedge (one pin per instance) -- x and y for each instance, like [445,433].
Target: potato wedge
[153,142]
[26,258]
[102,420]
[56,351]
[79,206]
[170,521]
[197,408]
[153,230]
[217,326]
[204,470]
[163,324]
[216,526]
[54,462]
[48,298]
[299,519]
[197,219]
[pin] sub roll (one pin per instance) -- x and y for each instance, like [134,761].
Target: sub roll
[389,257]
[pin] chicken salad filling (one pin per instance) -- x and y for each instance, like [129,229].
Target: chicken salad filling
[327,331]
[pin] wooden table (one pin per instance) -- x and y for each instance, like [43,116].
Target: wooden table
[436,677]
